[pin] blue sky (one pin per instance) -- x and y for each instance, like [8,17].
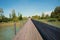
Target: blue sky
[28,7]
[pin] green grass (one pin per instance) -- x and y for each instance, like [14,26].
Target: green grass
[11,23]
[56,23]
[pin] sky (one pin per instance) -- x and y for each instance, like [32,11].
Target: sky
[29,7]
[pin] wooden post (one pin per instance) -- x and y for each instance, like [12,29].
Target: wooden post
[15,27]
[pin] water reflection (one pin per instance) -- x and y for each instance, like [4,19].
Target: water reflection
[7,33]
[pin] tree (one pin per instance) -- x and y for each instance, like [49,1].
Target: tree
[36,17]
[47,16]
[56,12]
[43,16]
[4,19]
[10,17]
[14,17]
[57,9]
[1,11]
[1,14]
[20,16]
[13,14]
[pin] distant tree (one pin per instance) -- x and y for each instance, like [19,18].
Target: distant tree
[20,16]
[10,17]
[13,14]
[56,12]
[1,14]
[53,15]
[1,11]
[4,19]
[43,16]
[14,17]
[35,17]
[47,16]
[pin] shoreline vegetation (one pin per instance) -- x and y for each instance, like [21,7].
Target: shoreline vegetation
[9,24]
[18,24]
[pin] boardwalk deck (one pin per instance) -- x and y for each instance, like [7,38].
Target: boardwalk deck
[28,32]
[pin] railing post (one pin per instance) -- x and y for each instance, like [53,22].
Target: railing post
[15,27]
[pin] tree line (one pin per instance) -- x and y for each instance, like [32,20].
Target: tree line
[55,15]
[12,16]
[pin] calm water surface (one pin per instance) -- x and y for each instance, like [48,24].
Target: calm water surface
[7,33]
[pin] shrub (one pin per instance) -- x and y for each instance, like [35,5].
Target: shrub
[58,19]
[52,20]
[0,20]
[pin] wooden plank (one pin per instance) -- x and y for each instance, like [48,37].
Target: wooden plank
[28,32]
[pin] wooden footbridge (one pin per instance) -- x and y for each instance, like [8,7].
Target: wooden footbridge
[34,30]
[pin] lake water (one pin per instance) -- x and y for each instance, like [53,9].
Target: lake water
[7,33]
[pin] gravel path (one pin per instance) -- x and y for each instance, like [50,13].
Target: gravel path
[28,32]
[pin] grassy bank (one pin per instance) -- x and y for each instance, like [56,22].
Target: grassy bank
[56,23]
[19,23]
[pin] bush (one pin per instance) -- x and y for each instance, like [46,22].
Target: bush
[52,20]
[35,17]
[0,20]
[58,19]
[5,20]
[20,17]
